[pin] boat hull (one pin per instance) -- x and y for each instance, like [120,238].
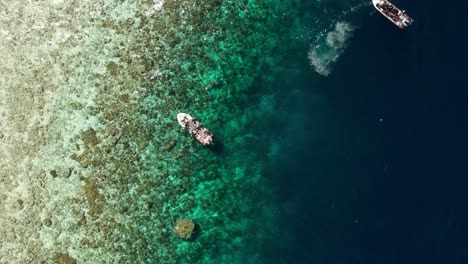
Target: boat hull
[195,129]
[397,17]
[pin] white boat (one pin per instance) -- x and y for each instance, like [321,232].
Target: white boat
[195,129]
[393,13]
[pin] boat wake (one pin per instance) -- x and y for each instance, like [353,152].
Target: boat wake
[329,47]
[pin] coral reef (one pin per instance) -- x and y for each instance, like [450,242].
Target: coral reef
[61,258]
[88,102]
[93,197]
[185,228]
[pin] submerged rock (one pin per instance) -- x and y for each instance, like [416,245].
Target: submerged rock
[90,137]
[185,228]
[186,171]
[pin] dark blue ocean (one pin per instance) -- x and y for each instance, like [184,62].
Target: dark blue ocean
[374,164]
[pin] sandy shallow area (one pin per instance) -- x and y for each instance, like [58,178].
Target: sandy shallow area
[40,81]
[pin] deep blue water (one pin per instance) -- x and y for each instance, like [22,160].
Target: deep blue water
[374,168]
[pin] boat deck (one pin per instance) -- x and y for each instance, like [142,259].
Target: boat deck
[393,13]
[195,128]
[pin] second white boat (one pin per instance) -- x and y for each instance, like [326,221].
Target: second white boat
[393,13]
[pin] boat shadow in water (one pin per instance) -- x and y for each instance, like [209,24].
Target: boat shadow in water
[217,147]
[196,233]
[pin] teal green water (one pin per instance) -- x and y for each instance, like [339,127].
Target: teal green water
[224,190]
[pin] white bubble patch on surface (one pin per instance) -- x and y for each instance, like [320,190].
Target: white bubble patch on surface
[329,47]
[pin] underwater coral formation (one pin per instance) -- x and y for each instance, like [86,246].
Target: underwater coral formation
[185,228]
[62,258]
[102,164]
